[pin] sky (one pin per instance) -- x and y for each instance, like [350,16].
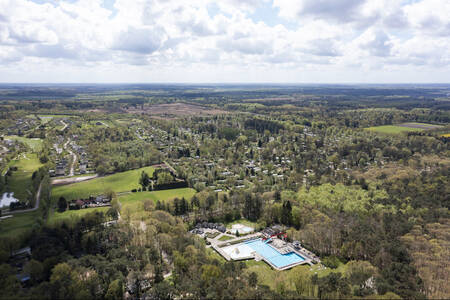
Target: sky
[228,41]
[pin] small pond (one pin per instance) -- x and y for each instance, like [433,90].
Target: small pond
[7,199]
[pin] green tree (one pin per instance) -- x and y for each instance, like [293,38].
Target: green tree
[62,204]
[115,290]
[144,180]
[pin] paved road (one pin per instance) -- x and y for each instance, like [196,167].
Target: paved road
[65,125]
[74,158]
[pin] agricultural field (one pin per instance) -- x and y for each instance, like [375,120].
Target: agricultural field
[119,182]
[20,182]
[404,127]
[133,200]
[35,144]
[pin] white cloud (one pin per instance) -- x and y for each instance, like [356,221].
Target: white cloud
[178,37]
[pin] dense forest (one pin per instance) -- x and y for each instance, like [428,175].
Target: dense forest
[359,175]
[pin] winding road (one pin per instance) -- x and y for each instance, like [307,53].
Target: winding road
[74,158]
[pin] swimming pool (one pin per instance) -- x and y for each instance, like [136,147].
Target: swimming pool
[273,256]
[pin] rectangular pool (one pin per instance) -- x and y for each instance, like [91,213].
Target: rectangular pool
[276,258]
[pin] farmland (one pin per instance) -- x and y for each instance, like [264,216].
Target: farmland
[404,127]
[119,182]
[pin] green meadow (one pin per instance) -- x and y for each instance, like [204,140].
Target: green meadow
[392,129]
[73,215]
[20,181]
[119,182]
[18,225]
[133,200]
[35,144]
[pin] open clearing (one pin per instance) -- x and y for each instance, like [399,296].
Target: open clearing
[35,144]
[275,279]
[119,182]
[177,109]
[404,127]
[420,125]
[392,129]
[133,200]
[73,215]
[18,224]
[20,181]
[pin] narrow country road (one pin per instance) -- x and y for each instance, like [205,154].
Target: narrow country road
[74,158]
[65,125]
[36,204]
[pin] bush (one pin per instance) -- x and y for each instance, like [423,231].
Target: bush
[331,262]
[133,190]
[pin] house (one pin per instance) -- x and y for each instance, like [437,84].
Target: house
[23,252]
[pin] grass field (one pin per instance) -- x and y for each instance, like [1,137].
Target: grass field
[273,279]
[133,200]
[20,181]
[18,224]
[72,215]
[119,182]
[392,129]
[226,238]
[34,144]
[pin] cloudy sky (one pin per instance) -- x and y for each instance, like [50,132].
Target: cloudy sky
[295,41]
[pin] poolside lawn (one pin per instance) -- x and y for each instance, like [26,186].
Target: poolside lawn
[273,278]
[226,238]
[119,182]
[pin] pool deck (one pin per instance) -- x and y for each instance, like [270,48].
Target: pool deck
[222,248]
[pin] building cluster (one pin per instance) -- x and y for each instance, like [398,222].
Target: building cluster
[21,126]
[200,227]
[97,201]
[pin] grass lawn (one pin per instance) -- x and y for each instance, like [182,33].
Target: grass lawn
[392,129]
[20,181]
[35,144]
[72,215]
[272,278]
[119,182]
[18,224]
[212,235]
[132,200]
[225,238]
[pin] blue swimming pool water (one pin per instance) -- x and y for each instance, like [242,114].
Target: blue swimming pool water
[276,258]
